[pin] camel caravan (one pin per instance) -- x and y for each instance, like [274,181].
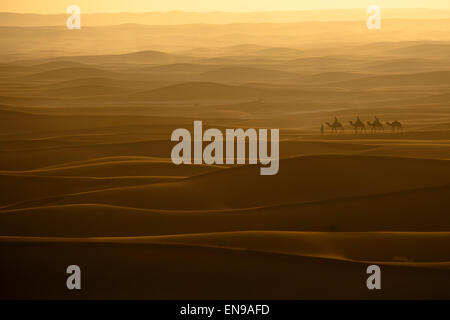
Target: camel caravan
[360,126]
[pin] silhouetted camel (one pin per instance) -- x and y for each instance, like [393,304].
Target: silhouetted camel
[395,125]
[374,126]
[358,125]
[336,125]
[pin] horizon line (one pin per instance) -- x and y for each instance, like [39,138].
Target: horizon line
[230,12]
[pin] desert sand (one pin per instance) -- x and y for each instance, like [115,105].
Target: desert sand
[86,176]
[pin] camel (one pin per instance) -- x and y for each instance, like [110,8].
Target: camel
[375,125]
[358,125]
[336,125]
[395,125]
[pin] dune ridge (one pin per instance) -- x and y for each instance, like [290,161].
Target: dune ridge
[304,179]
[397,250]
[398,211]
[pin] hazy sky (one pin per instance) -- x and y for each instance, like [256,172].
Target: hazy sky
[88,6]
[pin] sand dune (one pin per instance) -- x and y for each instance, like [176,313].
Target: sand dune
[135,57]
[435,98]
[407,65]
[89,90]
[420,149]
[420,79]
[395,211]
[70,74]
[328,77]
[109,82]
[73,149]
[245,74]
[280,51]
[147,56]
[304,179]
[48,123]
[180,68]
[396,248]
[29,101]
[320,61]
[258,275]
[198,91]
[112,159]
[11,68]
[36,157]
[20,188]
[431,50]
[125,168]
[59,64]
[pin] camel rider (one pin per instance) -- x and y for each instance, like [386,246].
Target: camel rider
[358,121]
[377,121]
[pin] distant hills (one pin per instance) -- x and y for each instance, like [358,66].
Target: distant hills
[198,91]
[86,91]
[174,43]
[70,73]
[246,74]
[424,50]
[437,78]
[146,56]
[150,57]
[180,17]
